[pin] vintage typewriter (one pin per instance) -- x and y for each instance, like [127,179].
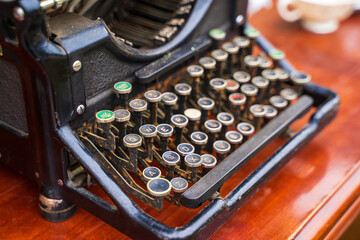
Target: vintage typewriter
[156,102]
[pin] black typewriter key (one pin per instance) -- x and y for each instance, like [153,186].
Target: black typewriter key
[122,90]
[208,162]
[153,97]
[261,83]
[221,57]
[264,64]
[232,86]
[232,49]
[258,112]
[185,149]
[193,162]
[252,63]
[242,77]
[183,90]
[213,127]
[199,139]
[138,106]
[151,173]
[169,99]
[194,116]
[246,129]
[237,100]
[270,75]
[278,102]
[243,43]
[209,65]
[159,187]
[195,72]
[276,55]
[218,86]
[132,142]
[165,131]
[299,79]
[289,94]
[271,112]
[179,185]
[171,159]
[221,148]
[234,138]
[217,36]
[206,104]
[180,122]
[226,120]
[282,77]
[252,34]
[148,131]
[122,116]
[250,92]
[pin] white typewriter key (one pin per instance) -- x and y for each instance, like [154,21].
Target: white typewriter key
[300,79]
[221,57]
[194,116]
[261,83]
[288,94]
[159,187]
[282,76]
[183,90]
[237,100]
[258,112]
[250,92]
[209,65]
[165,131]
[138,106]
[122,116]
[276,55]
[206,104]
[246,129]
[148,131]
[232,86]
[180,122]
[132,142]
[278,102]
[226,119]
[270,75]
[221,148]
[179,185]
[169,99]
[122,90]
[171,159]
[242,77]
[232,49]
[199,139]
[218,86]
[264,64]
[213,127]
[153,97]
[208,162]
[193,162]
[234,138]
[150,173]
[252,63]
[195,72]
[243,43]
[271,112]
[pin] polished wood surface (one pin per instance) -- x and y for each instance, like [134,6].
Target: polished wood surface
[314,196]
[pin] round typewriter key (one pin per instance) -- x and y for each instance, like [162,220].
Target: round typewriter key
[246,129]
[243,43]
[150,173]
[138,106]
[195,72]
[199,139]
[105,116]
[193,115]
[226,119]
[179,121]
[182,90]
[271,112]
[270,75]
[213,127]
[122,90]
[207,62]
[218,86]
[132,142]
[242,77]
[288,94]
[179,185]
[264,64]
[122,116]
[237,100]
[171,159]
[250,91]
[221,57]
[153,97]
[185,149]
[278,102]
[258,112]
[209,65]
[148,131]
[217,34]
[231,86]
[252,63]
[232,49]
[206,104]
[282,77]
[165,131]
[234,138]
[208,162]
[159,187]
[221,148]
[276,55]
[261,83]
[299,79]
[193,162]
[169,99]
[252,34]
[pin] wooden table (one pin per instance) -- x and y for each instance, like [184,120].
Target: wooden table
[314,196]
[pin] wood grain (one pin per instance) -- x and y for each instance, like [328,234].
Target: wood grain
[305,200]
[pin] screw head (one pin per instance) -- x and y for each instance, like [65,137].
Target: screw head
[60,182]
[76,66]
[80,109]
[37,175]
[19,14]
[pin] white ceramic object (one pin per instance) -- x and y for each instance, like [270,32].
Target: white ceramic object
[318,16]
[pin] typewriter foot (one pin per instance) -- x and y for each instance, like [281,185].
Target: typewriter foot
[56,210]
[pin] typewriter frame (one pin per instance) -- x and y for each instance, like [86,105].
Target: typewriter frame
[43,149]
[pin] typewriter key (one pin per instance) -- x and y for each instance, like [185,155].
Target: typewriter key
[208,64]
[148,131]
[206,104]
[105,116]
[122,116]
[213,127]
[150,173]
[218,86]
[153,97]
[221,57]
[242,77]
[226,119]
[171,159]
[258,112]
[232,86]
[195,72]
[271,112]
[169,99]
[282,76]
[252,34]
[246,129]
[138,106]
[159,187]
[185,149]
[221,148]
[270,75]
[276,56]
[243,43]
[250,91]
[288,94]
[132,142]
[183,90]
[165,131]
[208,162]
[237,100]
[199,139]
[179,185]
[278,102]
[179,121]
[193,162]
[234,138]
[193,115]
[299,79]
[232,49]
[122,90]
[261,83]
[217,35]
[252,63]
[264,64]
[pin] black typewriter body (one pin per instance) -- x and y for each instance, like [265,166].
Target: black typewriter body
[120,101]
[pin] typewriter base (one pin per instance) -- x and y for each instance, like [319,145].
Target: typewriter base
[56,210]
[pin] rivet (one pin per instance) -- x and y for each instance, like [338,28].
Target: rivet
[19,14]
[37,175]
[60,182]
[80,109]
[239,20]
[76,65]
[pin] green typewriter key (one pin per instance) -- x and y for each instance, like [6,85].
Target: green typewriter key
[278,102]
[151,173]
[270,75]
[169,99]
[193,162]
[226,119]
[252,64]
[122,116]
[217,35]
[282,77]
[180,122]
[213,127]
[208,162]
[246,129]
[237,100]
[199,139]
[221,57]
[122,90]
[299,79]
[232,49]
[159,187]
[138,106]
[242,77]
[206,105]
[185,149]
[132,142]
[252,34]
[243,43]
[250,92]
[104,119]
[261,83]
[276,55]
[194,116]
[232,86]
[209,65]
[153,97]
[183,90]
[234,138]
[195,72]
[271,112]
[178,185]
[171,159]
[165,131]
[258,112]
[218,86]
[221,148]
[148,131]
[289,94]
